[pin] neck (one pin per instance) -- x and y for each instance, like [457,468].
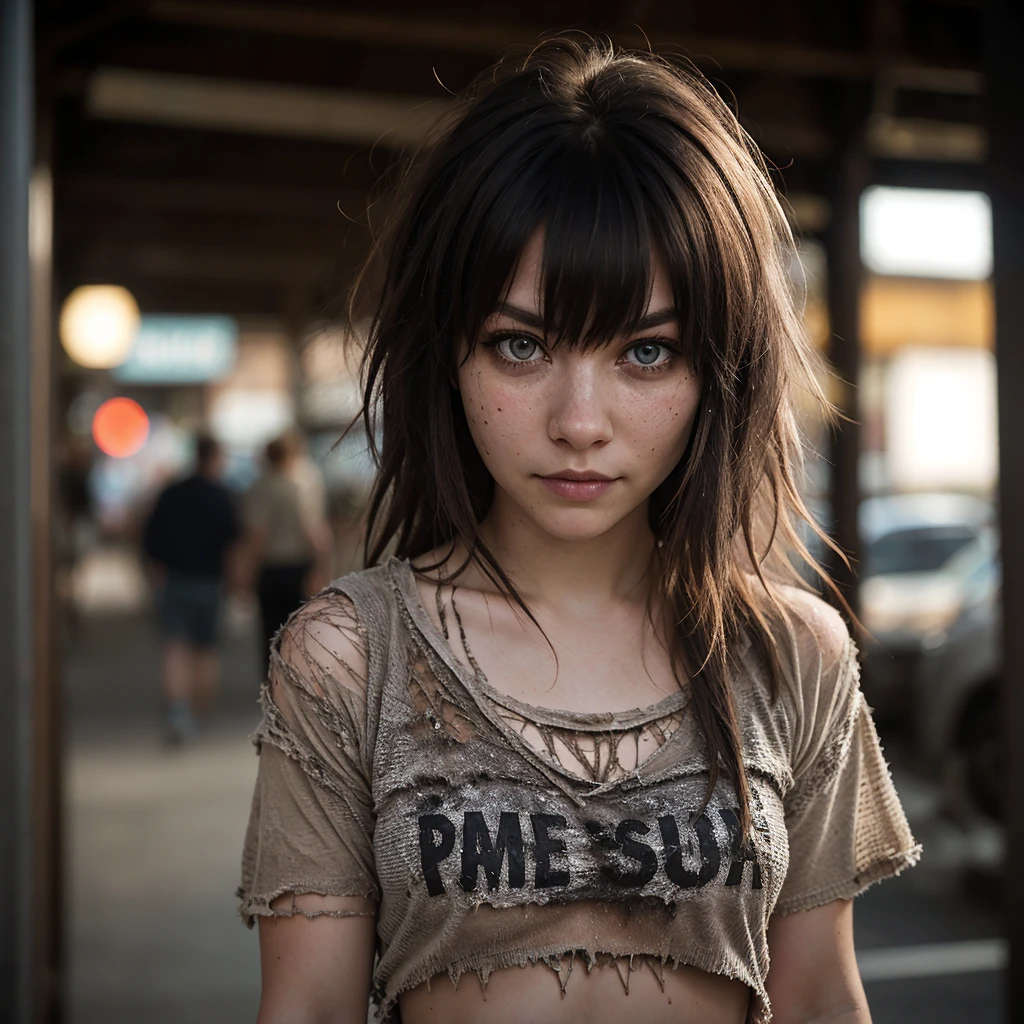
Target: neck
[554,571]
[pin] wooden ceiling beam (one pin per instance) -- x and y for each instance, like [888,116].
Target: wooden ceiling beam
[114,261]
[235,54]
[492,38]
[135,229]
[71,32]
[97,194]
[196,104]
[261,108]
[184,296]
[163,152]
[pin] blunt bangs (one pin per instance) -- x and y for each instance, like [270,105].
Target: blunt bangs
[598,214]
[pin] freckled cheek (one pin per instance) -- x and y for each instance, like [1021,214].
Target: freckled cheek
[662,423]
[500,417]
[659,431]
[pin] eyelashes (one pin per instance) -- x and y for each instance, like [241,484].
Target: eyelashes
[515,348]
[519,351]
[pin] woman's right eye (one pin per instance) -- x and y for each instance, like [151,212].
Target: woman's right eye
[518,348]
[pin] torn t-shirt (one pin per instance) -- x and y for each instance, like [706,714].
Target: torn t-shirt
[490,833]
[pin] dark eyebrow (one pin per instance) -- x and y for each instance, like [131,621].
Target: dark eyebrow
[533,319]
[524,316]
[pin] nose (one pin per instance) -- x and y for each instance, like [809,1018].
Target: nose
[579,414]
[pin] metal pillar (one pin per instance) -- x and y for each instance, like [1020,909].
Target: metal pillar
[16,723]
[47,733]
[1004,31]
[842,240]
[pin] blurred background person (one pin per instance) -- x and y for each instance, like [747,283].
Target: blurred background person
[287,536]
[188,539]
[73,522]
[313,499]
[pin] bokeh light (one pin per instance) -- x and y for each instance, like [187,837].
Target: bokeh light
[120,427]
[98,324]
[926,232]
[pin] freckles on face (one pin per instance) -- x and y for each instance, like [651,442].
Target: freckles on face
[616,417]
[499,416]
[657,428]
[577,414]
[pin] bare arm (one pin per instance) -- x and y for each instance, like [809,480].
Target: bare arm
[814,977]
[316,970]
[316,951]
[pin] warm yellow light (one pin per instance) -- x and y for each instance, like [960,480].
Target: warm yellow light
[98,324]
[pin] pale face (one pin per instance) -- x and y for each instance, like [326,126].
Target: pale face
[577,441]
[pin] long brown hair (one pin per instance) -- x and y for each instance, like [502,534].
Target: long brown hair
[613,153]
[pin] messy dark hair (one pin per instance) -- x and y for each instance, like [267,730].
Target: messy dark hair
[616,155]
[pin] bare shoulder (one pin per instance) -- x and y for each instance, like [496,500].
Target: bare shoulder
[324,644]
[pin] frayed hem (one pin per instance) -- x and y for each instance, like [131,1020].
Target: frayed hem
[561,962]
[253,906]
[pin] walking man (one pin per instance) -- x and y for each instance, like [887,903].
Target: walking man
[189,538]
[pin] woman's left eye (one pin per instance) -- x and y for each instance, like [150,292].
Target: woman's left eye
[647,354]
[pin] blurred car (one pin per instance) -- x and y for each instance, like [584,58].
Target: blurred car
[917,559]
[956,712]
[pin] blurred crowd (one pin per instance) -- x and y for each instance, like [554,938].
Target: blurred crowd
[203,543]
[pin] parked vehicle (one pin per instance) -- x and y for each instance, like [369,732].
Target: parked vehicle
[956,687]
[913,581]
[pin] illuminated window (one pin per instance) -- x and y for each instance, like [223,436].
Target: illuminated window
[918,232]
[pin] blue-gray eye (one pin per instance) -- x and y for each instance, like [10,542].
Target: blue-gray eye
[646,353]
[519,347]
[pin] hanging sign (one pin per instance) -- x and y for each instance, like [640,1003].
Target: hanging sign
[180,350]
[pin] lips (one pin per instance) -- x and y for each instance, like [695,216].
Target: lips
[577,474]
[577,484]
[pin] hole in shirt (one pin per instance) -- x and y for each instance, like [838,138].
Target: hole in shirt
[437,711]
[598,756]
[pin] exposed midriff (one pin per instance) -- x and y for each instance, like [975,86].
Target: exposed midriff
[533,992]
[561,989]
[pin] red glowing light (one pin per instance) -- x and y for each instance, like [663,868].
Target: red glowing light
[120,427]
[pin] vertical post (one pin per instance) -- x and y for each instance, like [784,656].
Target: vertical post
[47,742]
[16,881]
[842,241]
[1004,24]
[47,922]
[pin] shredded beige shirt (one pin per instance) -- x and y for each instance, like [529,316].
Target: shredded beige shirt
[492,833]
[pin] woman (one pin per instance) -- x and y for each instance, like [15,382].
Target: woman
[583,735]
[287,537]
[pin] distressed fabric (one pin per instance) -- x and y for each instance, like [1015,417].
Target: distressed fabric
[487,833]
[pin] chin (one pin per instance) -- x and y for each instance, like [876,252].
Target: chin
[578,523]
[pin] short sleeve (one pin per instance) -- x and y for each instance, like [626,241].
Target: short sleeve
[846,826]
[311,823]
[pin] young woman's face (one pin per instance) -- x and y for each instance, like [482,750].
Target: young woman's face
[576,441]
